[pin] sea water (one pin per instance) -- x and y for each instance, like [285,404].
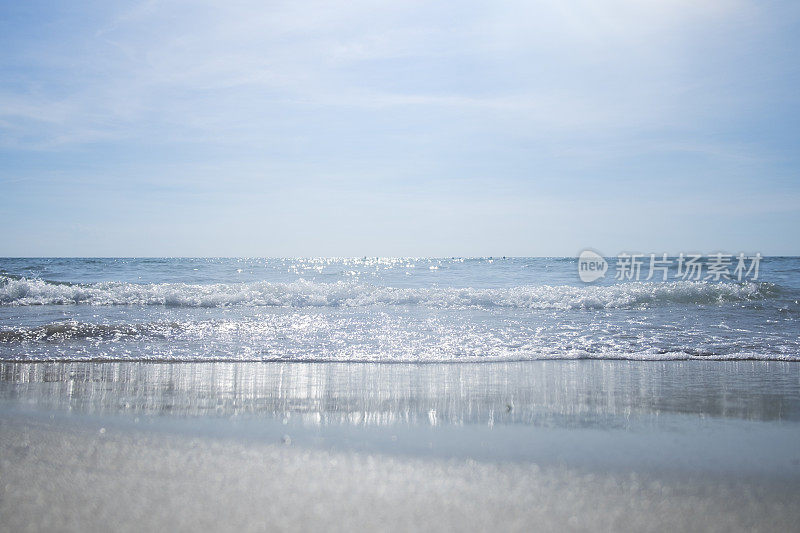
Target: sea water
[427,310]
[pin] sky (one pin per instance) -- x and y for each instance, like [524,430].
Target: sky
[531,128]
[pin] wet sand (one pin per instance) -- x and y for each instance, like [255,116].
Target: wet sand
[581,445]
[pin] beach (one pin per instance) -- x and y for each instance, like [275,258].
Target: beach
[548,445]
[401,394]
[399,266]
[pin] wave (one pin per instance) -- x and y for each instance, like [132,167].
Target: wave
[73,330]
[287,337]
[25,292]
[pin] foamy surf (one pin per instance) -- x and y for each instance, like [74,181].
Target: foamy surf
[362,336]
[478,310]
[302,293]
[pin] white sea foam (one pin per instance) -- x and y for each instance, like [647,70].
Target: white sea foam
[299,335]
[26,292]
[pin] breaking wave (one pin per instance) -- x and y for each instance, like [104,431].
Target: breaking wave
[26,292]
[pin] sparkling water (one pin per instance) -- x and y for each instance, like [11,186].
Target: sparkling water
[386,310]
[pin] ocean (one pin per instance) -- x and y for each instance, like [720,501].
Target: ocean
[479,393]
[422,310]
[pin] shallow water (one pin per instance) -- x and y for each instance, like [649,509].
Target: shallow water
[738,419]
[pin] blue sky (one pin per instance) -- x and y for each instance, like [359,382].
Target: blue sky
[399,128]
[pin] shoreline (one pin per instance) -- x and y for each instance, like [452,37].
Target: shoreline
[683,357]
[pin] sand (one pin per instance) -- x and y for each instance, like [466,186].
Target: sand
[58,476]
[142,447]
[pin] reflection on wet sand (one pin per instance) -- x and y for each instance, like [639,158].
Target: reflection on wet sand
[547,393]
